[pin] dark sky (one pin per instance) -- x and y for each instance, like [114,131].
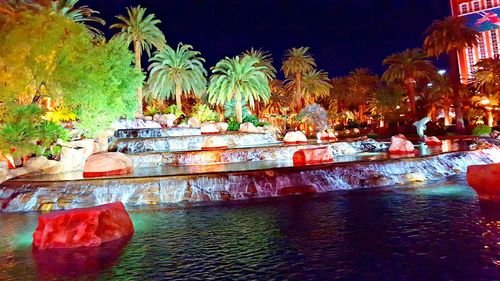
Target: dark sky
[342,34]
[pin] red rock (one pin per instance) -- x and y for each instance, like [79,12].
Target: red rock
[107,164]
[400,145]
[297,190]
[86,227]
[433,141]
[485,180]
[312,156]
[295,137]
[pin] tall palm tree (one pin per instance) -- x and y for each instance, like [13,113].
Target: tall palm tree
[173,72]
[450,36]
[408,67]
[315,85]
[238,79]
[279,100]
[140,29]
[82,14]
[361,83]
[439,93]
[265,59]
[298,61]
[339,92]
[487,74]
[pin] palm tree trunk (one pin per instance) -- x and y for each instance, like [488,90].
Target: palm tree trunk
[489,114]
[410,91]
[137,51]
[239,111]
[178,93]
[361,111]
[433,112]
[455,84]
[298,98]
[446,110]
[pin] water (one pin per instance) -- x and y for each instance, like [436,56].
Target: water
[428,232]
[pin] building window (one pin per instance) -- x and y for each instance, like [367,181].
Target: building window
[476,6]
[464,8]
[482,47]
[470,60]
[489,4]
[494,42]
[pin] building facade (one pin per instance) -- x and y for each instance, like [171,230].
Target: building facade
[483,16]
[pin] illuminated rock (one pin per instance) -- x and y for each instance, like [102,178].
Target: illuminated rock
[222,126]
[248,128]
[107,164]
[295,137]
[485,180]
[194,122]
[87,227]
[433,141]
[213,142]
[312,156]
[209,128]
[400,145]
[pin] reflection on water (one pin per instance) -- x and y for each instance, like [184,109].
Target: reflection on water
[436,232]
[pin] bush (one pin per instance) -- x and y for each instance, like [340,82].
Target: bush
[233,125]
[174,110]
[481,130]
[60,114]
[203,113]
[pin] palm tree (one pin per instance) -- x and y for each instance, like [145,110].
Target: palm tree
[82,14]
[238,79]
[265,59]
[315,85]
[450,36]
[439,93]
[408,67]
[173,72]
[487,81]
[386,101]
[297,62]
[141,30]
[361,83]
[279,100]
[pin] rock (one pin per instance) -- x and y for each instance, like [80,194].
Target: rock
[36,163]
[170,118]
[415,177]
[108,164]
[222,126]
[297,190]
[495,135]
[312,156]
[134,124]
[248,128]
[209,128]
[400,145]
[148,118]
[433,141]
[18,172]
[194,122]
[87,227]
[485,180]
[214,142]
[72,159]
[102,141]
[295,137]
[4,172]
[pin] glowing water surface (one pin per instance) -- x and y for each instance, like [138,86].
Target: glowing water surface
[428,232]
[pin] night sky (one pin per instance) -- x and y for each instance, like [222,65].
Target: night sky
[343,35]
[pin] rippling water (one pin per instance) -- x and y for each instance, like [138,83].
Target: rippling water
[433,232]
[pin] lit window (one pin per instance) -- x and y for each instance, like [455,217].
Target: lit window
[476,5]
[482,47]
[494,42]
[464,9]
[489,4]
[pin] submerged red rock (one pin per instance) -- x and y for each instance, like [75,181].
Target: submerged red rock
[312,156]
[86,227]
[485,180]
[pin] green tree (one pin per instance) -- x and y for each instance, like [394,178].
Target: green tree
[387,102]
[141,30]
[82,14]
[265,60]
[173,72]
[238,79]
[408,67]
[297,62]
[439,94]
[315,85]
[46,55]
[450,36]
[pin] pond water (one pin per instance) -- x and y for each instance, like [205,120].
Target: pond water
[430,232]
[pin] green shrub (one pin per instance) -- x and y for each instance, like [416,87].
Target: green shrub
[233,125]
[60,114]
[481,130]
[203,113]
[174,110]
[255,121]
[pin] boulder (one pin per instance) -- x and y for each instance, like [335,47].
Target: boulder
[295,137]
[36,163]
[433,141]
[107,164]
[194,122]
[312,156]
[170,118]
[248,128]
[400,145]
[485,180]
[209,128]
[148,118]
[222,126]
[73,159]
[86,227]
[102,141]
[214,142]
